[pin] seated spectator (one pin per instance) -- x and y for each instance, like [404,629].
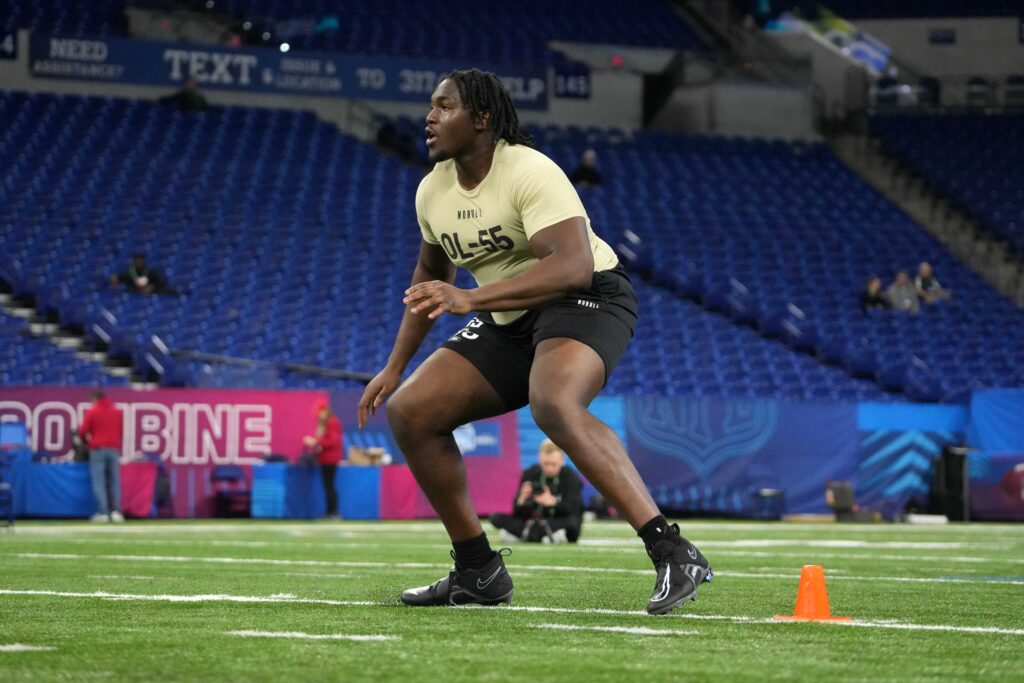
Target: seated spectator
[188,98]
[927,286]
[873,297]
[549,505]
[902,295]
[139,278]
[586,174]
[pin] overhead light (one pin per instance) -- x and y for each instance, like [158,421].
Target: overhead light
[285,47]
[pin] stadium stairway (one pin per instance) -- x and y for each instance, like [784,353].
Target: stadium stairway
[968,241]
[35,350]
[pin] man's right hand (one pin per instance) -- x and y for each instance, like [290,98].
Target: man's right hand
[376,392]
[525,491]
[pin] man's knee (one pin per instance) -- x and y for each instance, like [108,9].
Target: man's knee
[414,415]
[553,416]
[405,413]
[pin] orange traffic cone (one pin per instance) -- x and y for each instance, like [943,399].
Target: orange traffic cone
[812,598]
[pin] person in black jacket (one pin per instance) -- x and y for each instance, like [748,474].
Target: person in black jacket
[873,297]
[140,278]
[548,507]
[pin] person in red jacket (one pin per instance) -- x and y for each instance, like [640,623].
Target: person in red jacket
[327,444]
[103,430]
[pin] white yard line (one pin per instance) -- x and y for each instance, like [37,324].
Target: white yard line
[512,608]
[631,630]
[115,577]
[19,647]
[426,565]
[312,636]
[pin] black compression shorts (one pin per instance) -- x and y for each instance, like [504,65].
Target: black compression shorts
[602,317]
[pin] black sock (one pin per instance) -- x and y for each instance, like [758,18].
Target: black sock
[474,553]
[655,530]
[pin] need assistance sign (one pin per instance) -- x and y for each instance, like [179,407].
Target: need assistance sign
[120,60]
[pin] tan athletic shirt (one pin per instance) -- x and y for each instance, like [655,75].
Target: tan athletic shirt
[486,230]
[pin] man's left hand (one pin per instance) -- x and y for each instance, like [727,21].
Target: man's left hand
[438,297]
[545,499]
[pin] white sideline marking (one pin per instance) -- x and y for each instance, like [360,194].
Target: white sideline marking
[213,597]
[427,565]
[315,574]
[18,647]
[736,619]
[873,556]
[118,578]
[900,579]
[597,544]
[632,630]
[382,526]
[808,543]
[311,636]
[193,542]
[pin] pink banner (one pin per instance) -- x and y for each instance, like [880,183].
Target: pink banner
[492,478]
[192,431]
[138,481]
[182,426]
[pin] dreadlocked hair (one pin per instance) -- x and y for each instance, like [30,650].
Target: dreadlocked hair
[482,91]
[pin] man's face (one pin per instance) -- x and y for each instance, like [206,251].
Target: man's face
[925,270]
[902,278]
[139,262]
[450,126]
[551,463]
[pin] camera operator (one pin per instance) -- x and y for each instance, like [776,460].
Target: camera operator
[548,507]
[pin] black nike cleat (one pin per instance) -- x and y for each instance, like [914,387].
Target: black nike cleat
[681,569]
[490,585]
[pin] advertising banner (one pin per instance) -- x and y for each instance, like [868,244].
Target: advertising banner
[715,454]
[263,70]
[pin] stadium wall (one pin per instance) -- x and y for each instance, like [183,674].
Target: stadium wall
[982,46]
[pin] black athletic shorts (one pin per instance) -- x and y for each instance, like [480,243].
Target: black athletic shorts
[602,317]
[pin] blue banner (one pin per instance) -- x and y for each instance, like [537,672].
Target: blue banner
[120,60]
[714,455]
[479,439]
[9,45]
[997,420]
[897,465]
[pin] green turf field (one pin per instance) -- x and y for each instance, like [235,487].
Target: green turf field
[185,600]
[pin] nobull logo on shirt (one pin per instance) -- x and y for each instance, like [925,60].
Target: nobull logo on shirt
[221,68]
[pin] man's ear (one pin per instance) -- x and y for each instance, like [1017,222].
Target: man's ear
[483,121]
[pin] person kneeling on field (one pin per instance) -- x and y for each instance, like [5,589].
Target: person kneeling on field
[549,505]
